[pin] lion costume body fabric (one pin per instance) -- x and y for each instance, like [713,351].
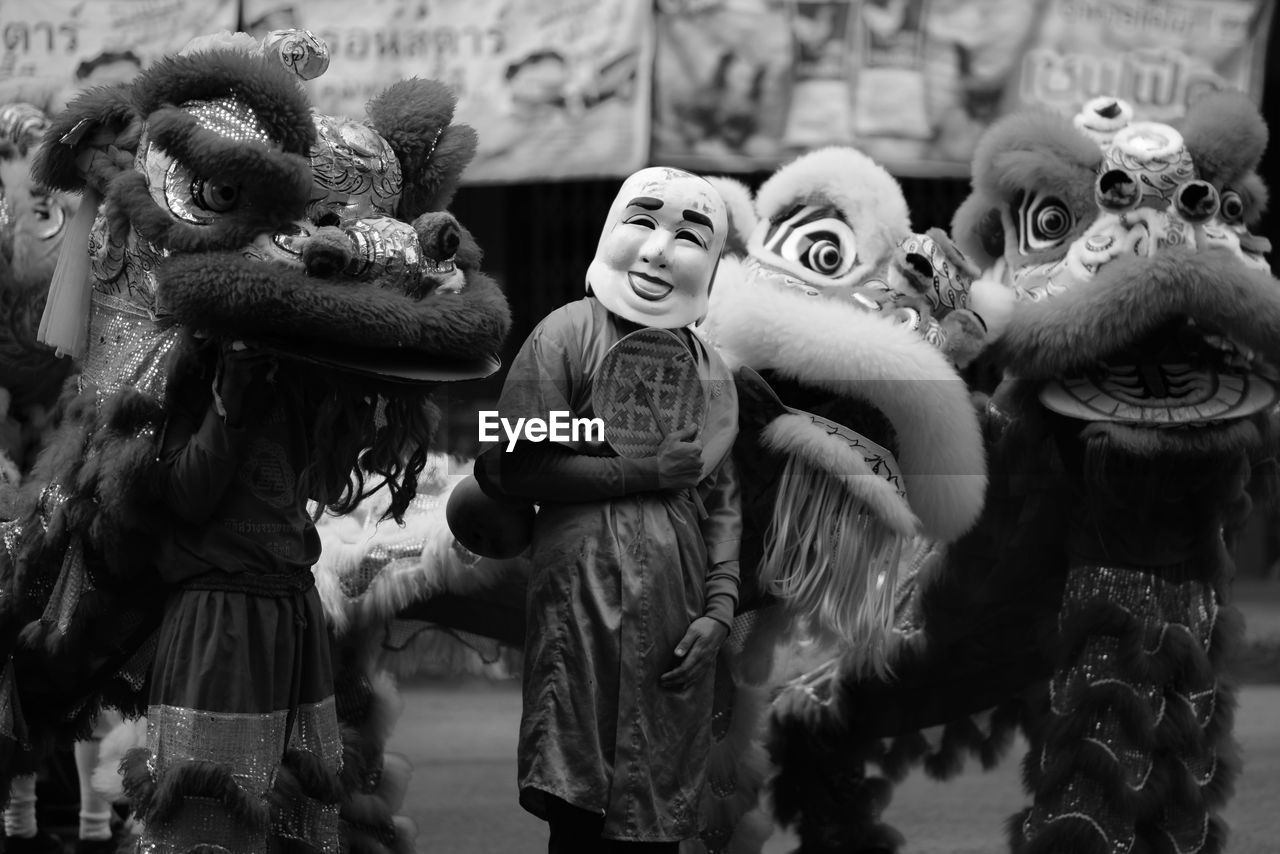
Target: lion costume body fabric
[1091,604]
[858,445]
[229,212]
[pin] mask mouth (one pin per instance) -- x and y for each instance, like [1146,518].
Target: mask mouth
[648,287]
[1184,374]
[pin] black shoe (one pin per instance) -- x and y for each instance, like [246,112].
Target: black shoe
[43,842]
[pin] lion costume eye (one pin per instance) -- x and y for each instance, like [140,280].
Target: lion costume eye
[49,218]
[189,197]
[1043,223]
[816,238]
[1232,207]
[214,195]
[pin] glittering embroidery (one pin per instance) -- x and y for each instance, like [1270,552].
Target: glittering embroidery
[356,173]
[73,582]
[206,826]
[249,746]
[11,532]
[1187,833]
[1160,609]
[1083,801]
[246,743]
[126,350]
[231,118]
[52,497]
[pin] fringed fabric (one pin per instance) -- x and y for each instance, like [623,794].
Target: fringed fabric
[834,562]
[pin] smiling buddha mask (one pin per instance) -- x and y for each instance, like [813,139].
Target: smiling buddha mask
[659,249]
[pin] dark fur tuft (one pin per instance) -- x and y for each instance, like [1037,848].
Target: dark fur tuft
[414,116]
[102,119]
[1226,136]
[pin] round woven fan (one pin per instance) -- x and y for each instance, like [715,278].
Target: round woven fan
[646,387]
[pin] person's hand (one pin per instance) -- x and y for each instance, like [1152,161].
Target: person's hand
[680,460]
[696,652]
[241,385]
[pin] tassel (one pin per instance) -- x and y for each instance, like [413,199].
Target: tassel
[834,563]
[64,326]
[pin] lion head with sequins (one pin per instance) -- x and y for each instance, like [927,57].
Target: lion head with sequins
[1145,307]
[231,209]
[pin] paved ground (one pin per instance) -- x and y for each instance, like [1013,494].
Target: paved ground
[461,740]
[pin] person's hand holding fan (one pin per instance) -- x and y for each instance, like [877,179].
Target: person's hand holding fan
[651,399]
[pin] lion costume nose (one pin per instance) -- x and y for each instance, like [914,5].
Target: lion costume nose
[327,253]
[439,235]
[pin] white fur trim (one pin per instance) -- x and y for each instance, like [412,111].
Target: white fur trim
[993,301]
[800,437]
[860,188]
[434,567]
[738,201]
[848,351]
[122,738]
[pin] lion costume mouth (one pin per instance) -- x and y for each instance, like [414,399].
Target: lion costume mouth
[1187,340]
[337,321]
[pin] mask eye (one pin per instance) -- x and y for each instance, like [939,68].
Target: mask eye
[1232,207]
[815,238]
[1044,223]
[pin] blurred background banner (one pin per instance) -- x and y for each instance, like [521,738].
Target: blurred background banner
[741,85]
[51,38]
[555,88]
[575,89]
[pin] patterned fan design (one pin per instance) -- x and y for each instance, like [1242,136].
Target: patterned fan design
[646,387]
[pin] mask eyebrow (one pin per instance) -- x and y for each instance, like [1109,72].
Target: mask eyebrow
[699,218]
[649,203]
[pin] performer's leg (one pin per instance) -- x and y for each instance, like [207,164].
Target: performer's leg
[573,830]
[20,812]
[22,834]
[95,808]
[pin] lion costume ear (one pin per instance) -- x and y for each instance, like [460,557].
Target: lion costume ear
[84,149]
[91,141]
[415,117]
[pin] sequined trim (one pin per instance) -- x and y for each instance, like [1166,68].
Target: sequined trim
[1160,608]
[11,534]
[73,582]
[250,746]
[231,118]
[126,350]
[1083,801]
[202,822]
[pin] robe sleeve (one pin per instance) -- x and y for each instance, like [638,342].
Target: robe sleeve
[548,473]
[550,371]
[722,532]
[198,460]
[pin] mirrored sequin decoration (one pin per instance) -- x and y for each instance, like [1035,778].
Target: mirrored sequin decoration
[356,173]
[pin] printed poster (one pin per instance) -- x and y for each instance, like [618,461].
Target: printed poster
[88,42]
[743,85]
[554,88]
